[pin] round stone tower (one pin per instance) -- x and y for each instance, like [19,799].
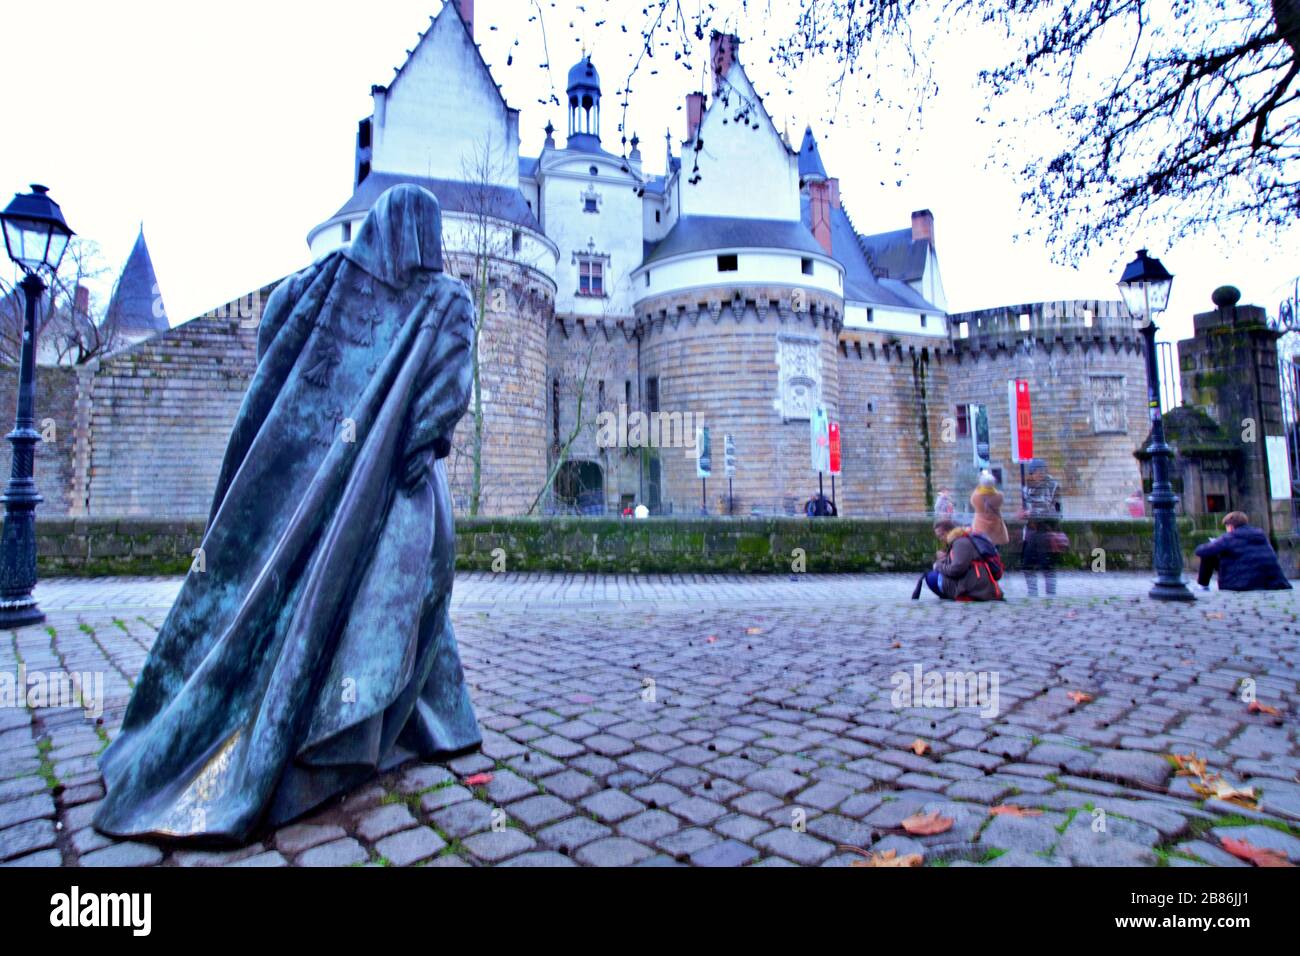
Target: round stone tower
[727,345]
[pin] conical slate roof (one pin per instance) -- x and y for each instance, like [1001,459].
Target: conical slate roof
[137,306]
[810,158]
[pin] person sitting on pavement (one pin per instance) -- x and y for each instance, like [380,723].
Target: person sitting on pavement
[986,508]
[968,568]
[1243,558]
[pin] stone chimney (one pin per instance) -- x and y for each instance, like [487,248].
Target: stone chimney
[466,10]
[694,114]
[834,185]
[722,53]
[819,196]
[923,225]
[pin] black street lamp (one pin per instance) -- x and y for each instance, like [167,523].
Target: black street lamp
[35,238]
[1145,287]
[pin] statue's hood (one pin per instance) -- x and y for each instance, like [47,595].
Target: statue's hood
[401,234]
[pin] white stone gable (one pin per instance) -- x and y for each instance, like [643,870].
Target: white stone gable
[442,109]
[744,172]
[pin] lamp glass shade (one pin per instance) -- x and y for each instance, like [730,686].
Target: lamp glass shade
[1145,286]
[35,234]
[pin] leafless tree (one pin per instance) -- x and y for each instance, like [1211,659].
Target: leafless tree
[71,331]
[1183,112]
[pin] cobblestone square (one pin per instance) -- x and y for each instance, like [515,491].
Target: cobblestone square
[737,721]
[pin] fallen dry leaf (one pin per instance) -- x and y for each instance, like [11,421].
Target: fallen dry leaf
[927,824]
[1257,708]
[753,630]
[1214,615]
[1008,810]
[920,747]
[1215,787]
[1244,850]
[478,780]
[1189,765]
[896,645]
[888,858]
[1079,697]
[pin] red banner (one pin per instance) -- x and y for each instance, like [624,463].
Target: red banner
[835,447]
[1022,421]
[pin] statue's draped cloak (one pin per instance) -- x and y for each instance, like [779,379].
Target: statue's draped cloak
[311,645]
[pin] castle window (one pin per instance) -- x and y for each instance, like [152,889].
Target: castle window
[347,232]
[656,215]
[516,241]
[806,265]
[728,263]
[922,320]
[652,394]
[589,204]
[963,421]
[594,170]
[591,276]
[963,330]
[647,278]
[871,315]
[627,393]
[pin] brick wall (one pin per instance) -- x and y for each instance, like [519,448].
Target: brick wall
[56,418]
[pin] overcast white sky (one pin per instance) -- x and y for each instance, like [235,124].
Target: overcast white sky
[229,131]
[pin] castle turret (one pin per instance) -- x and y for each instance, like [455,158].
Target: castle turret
[584,106]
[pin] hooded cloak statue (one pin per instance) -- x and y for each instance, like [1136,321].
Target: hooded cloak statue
[311,646]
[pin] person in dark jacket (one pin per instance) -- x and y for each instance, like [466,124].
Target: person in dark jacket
[1243,558]
[960,573]
[819,506]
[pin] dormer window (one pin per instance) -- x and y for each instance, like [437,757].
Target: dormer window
[589,204]
[728,263]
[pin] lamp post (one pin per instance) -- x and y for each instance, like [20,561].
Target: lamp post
[1145,287]
[35,238]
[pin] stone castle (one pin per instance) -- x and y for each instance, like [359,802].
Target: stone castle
[732,292]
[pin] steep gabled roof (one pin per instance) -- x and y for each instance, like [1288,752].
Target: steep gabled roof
[896,255]
[499,202]
[861,281]
[810,158]
[136,305]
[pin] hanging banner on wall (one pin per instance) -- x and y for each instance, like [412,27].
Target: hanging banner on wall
[729,455]
[833,433]
[1022,421]
[979,436]
[704,458]
[819,425]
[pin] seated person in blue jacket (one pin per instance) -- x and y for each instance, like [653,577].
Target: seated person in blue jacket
[1243,558]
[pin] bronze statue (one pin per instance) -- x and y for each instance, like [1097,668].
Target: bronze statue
[311,645]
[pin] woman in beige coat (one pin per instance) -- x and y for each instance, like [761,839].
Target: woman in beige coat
[986,506]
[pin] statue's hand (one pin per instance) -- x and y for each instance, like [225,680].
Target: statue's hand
[415,469]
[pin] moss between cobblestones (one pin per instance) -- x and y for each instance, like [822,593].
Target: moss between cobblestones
[142,546]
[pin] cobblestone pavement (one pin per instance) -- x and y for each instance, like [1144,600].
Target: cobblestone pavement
[731,721]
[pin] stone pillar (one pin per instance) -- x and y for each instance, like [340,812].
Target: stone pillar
[1229,368]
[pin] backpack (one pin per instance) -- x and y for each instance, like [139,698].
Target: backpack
[988,553]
